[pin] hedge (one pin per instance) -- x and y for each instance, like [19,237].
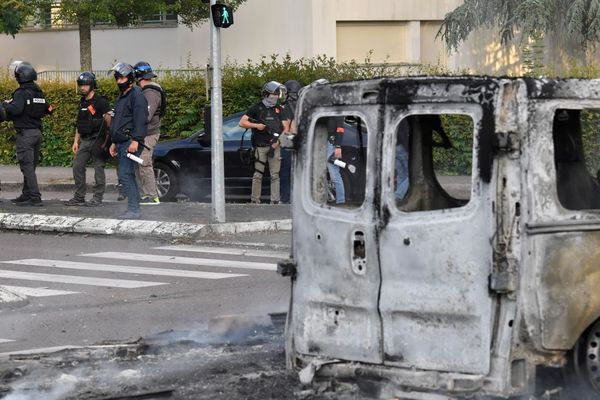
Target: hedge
[241,88]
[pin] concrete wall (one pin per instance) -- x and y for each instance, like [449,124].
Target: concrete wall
[302,28]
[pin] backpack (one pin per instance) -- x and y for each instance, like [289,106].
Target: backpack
[163,99]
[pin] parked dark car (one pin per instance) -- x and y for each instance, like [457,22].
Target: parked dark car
[184,165]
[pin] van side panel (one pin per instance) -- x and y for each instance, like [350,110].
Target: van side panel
[569,289]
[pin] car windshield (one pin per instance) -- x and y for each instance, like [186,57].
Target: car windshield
[231,129]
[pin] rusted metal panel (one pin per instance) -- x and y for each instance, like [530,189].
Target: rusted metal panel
[569,287]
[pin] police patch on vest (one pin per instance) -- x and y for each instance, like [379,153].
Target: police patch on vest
[39,101]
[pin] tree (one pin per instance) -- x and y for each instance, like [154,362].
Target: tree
[578,20]
[123,13]
[13,16]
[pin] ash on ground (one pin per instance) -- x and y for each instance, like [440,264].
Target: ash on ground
[194,364]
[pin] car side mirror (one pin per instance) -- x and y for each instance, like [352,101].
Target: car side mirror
[204,139]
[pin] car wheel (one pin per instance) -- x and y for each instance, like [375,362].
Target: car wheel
[582,375]
[167,184]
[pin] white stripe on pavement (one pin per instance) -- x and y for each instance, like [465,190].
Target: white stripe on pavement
[227,250]
[122,268]
[208,262]
[78,280]
[6,340]
[36,292]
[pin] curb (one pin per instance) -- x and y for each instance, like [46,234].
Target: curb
[134,228]
[54,187]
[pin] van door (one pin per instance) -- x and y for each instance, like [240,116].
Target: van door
[436,248]
[335,293]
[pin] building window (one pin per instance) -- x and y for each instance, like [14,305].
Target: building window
[47,18]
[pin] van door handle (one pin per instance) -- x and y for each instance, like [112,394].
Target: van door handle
[359,253]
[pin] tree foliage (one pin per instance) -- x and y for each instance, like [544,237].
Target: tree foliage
[578,20]
[13,16]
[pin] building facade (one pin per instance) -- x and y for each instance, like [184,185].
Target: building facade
[394,31]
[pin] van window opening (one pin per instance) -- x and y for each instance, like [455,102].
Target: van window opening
[339,161]
[576,137]
[433,162]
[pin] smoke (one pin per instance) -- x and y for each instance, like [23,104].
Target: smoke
[64,385]
[148,365]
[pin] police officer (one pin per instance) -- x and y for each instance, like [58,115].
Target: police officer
[335,130]
[267,121]
[26,109]
[156,98]
[90,140]
[127,131]
[292,89]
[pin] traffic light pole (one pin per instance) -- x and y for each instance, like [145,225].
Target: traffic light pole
[216,101]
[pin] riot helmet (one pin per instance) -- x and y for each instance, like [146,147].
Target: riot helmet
[143,70]
[272,87]
[123,70]
[293,88]
[87,78]
[24,72]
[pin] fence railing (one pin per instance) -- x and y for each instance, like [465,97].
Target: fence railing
[66,76]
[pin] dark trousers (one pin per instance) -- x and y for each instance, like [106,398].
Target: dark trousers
[28,146]
[285,174]
[89,148]
[127,177]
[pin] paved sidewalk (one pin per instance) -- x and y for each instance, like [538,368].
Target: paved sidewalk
[189,220]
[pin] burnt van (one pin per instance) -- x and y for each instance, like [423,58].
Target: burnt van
[469,265]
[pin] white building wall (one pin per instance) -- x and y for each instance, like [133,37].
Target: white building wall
[301,28]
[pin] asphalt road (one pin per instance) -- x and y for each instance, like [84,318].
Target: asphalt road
[86,289]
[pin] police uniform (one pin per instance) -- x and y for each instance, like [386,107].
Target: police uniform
[335,130]
[285,173]
[26,109]
[129,123]
[272,117]
[91,128]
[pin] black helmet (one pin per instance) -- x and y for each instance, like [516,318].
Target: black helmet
[122,69]
[273,87]
[143,70]
[292,86]
[87,78]
[24,72]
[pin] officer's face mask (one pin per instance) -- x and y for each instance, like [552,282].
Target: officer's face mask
[123,86]
[271,100]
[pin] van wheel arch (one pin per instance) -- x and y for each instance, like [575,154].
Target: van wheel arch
[582,372]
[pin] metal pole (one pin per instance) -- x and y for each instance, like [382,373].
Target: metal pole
[218,175]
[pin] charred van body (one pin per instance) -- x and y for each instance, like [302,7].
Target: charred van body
[436,290]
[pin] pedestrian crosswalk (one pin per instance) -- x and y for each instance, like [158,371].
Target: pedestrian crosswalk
[159,265]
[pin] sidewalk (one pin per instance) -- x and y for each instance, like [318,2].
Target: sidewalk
[189,220]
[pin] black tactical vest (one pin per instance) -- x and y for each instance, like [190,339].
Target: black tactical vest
[89,120]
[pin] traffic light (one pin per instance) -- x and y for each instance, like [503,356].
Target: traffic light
[222,15]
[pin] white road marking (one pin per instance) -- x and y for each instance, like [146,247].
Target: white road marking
[122,269]
[208,262]
[227,250]
[36,292]
[6,340]
[78,280]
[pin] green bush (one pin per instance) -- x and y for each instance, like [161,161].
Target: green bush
[186,96]
[242,83]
